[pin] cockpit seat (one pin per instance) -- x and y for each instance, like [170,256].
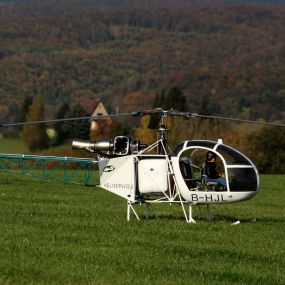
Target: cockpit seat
[187,174]
[209,185]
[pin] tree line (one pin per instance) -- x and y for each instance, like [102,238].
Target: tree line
[263,145]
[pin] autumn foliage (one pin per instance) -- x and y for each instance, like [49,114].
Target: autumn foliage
[123,53]
[226,57]
[35,135]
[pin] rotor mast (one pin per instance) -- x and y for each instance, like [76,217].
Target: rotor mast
[162,133]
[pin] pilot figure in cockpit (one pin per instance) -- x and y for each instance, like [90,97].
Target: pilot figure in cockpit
[212,175]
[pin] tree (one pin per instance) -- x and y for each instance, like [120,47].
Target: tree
[204,106]
[61,134]
[170,98]
[28,100]
[267,149]
[35,135]
[144,133]
[79,129]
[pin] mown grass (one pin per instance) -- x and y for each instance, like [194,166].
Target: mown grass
[12,145]
[59,234]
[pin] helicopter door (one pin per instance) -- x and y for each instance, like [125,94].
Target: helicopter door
[192,168]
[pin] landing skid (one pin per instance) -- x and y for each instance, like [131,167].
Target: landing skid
[130,207]
[187,212]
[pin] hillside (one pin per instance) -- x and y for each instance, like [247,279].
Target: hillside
[231,54]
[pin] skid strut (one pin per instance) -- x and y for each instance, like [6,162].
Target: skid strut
[190,218]
[130,207]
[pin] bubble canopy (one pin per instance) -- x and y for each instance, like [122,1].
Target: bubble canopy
[240,173]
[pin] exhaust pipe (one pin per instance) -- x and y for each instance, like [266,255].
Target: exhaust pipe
[93,146]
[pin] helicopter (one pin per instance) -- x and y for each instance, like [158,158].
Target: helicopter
[155,174]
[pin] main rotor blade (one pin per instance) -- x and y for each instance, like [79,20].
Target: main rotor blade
[159,113]
[193,115]
[66,120]
[163,113]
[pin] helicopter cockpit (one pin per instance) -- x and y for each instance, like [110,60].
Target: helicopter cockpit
[237,171]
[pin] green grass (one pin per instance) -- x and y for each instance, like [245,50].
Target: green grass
[12,145]
[58,234]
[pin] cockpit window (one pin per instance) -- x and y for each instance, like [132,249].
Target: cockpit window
[232,157]
[197,143]
[242,179]
[208,144]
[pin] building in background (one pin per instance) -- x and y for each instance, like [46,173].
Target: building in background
[96,108]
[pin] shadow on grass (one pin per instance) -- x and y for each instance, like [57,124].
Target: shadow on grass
[215,218]
[231,218]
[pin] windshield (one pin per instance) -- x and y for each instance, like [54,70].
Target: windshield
[208,144]
[232,157]
[242,179]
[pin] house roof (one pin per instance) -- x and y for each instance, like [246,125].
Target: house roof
[89,105]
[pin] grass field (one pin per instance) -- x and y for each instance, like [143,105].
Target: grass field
[58,234]
[12,145]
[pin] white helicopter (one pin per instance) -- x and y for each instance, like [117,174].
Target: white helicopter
[130,170]
[150,174]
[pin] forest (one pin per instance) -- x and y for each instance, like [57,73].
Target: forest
[226,57]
